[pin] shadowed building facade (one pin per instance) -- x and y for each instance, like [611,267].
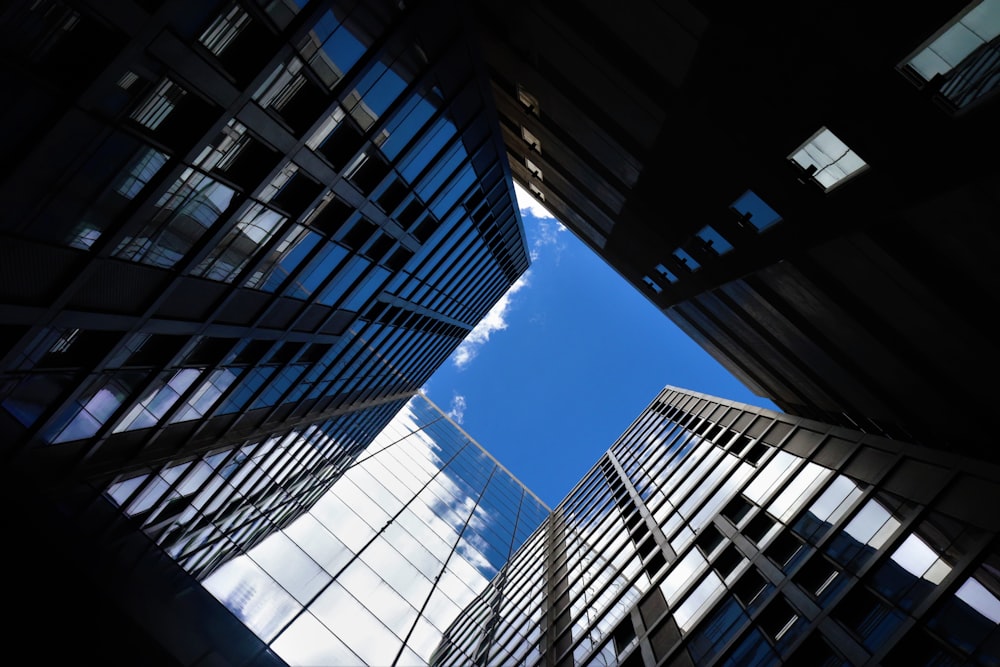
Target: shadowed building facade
[235,221]
[237,237]
[808,192]
[716,533]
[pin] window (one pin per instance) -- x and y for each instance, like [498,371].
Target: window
[254,228]
[224,29]
[158,105]
[533,141]
[714,241]
[534,169]
[331,49]
[778,619]
[828,160]
[140,170]
[978,24]
[816,576]
[192,204]
[971,616]
[754,212]
[686,259]
[528,100]
[962,60]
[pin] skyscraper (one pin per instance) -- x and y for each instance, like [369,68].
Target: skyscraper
[237,237]
[237,221]
[381,565]
[231,223]
[807,192]
[714,532]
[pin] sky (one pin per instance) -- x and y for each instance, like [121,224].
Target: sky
[565,361]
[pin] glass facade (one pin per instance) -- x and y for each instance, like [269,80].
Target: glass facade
[716,533]
[266,219]
[239,235]
[377,567]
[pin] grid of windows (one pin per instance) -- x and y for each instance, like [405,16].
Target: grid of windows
[264,261]
[714,533]
[375,568]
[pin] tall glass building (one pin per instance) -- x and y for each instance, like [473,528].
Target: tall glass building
[233,222]
[237,238]
[385,560]
[715,533]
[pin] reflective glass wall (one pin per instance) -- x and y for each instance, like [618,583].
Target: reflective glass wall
[382,563]
[717,533]
[238,219]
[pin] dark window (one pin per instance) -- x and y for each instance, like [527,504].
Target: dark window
[816,652]
[785,549]
[817,578]
[868,617]
[749,589]
[737,509]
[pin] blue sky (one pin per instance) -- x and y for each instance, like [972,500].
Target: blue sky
[566,361]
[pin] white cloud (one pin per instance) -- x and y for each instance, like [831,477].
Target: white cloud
[547,226]
[457,409]
[527,202]
[495,320]
[549,234]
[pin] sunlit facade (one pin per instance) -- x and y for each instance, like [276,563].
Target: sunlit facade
[717,533]
[383,562]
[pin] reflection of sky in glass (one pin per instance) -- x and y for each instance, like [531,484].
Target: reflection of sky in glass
[873,524]
[980,598]
[980,25]
[916,557]
[414,530]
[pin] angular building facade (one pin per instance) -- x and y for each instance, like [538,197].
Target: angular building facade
[716,533]
[384,562]
[231,221]
[804,191]
[237,238]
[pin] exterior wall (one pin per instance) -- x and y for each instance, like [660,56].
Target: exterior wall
[666,139]
[381,563]
[237,238]
[718,533]
[236,221]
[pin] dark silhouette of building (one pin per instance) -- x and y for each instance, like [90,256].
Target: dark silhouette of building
[716,533]
[809,191]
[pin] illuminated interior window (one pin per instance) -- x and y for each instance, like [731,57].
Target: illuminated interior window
[827,159]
